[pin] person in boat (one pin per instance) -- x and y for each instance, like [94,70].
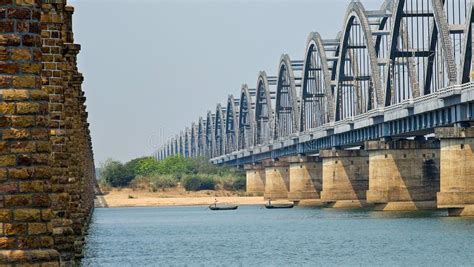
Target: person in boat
[215,202]
[269,201]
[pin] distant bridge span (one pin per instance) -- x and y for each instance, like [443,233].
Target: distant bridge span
[401,72]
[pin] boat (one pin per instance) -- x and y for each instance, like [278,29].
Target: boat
[224,207]
[269,205]
[279,206]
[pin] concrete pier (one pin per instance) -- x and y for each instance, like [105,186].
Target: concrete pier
[255,178]
[403,174]
[345,178]
[277,178]
[305,178]
[457,170]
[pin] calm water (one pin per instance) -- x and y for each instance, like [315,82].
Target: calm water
[252,236]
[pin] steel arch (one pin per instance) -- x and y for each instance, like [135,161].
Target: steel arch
[434,52]
[201,142]
[210,138]
[194,141]
[466,63]
[264,115]
[231,125]
[358,84]
[219,131]
[286,108]
[246,119]
[316,90]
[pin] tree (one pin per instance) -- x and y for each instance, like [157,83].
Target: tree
[175,165]
[144,166]
[115,173]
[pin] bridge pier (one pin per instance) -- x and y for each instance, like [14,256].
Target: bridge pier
[305,178]
[277,178]
[403,174]
[255,178]
[345,178]
[457,170]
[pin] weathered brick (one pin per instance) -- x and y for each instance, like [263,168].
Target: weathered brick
[15,229]
[19,13]
[25,81]
[7,242]
[10,40]
[20,173]
[18,200]
[27,215]
[7,108]
[33,187]
[7,160]
[27,108]
[5,215]
[8,68]
[21,54]
[37,228]
[15,134]
[15,95]
[30,68]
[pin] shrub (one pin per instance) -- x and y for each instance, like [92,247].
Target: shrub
[233,183]
[163,182]
[196,183]
[240,183]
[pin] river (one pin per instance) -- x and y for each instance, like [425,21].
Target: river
[254,236]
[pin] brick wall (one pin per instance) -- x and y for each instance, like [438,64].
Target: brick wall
[47,173]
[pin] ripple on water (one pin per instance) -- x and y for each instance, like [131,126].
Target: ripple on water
[195,236]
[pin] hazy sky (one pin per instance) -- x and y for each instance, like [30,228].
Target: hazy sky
[153,67]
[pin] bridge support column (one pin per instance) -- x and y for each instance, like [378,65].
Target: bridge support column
[276,179]
[345,178]
[305,178]
[255,178]
[457,170]
[403,174]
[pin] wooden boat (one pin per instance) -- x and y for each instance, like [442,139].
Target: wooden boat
[227,207]
[279,206]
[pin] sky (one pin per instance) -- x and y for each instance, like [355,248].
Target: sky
[152,67]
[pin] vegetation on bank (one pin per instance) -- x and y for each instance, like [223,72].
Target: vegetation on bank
[193,174]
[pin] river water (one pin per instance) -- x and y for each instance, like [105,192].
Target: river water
[254,236]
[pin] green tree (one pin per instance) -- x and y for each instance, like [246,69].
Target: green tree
[115,173]
[175,165]
[144,166]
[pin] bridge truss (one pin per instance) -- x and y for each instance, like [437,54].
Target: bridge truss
[401,70]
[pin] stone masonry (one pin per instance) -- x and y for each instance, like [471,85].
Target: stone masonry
[47,173]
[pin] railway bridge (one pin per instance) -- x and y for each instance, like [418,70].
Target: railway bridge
[380,115]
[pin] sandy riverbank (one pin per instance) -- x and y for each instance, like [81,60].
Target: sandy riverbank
[131,198]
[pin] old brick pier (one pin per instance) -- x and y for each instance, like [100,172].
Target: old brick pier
[47,173]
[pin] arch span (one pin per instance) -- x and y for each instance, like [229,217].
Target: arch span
[358,76]
[231,125]
[316,94]
[286,108]
[246,119]
[210,138]
[219,131]
[264,110]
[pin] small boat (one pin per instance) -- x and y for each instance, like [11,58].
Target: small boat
[279,206]
[269,205]
[229,207]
